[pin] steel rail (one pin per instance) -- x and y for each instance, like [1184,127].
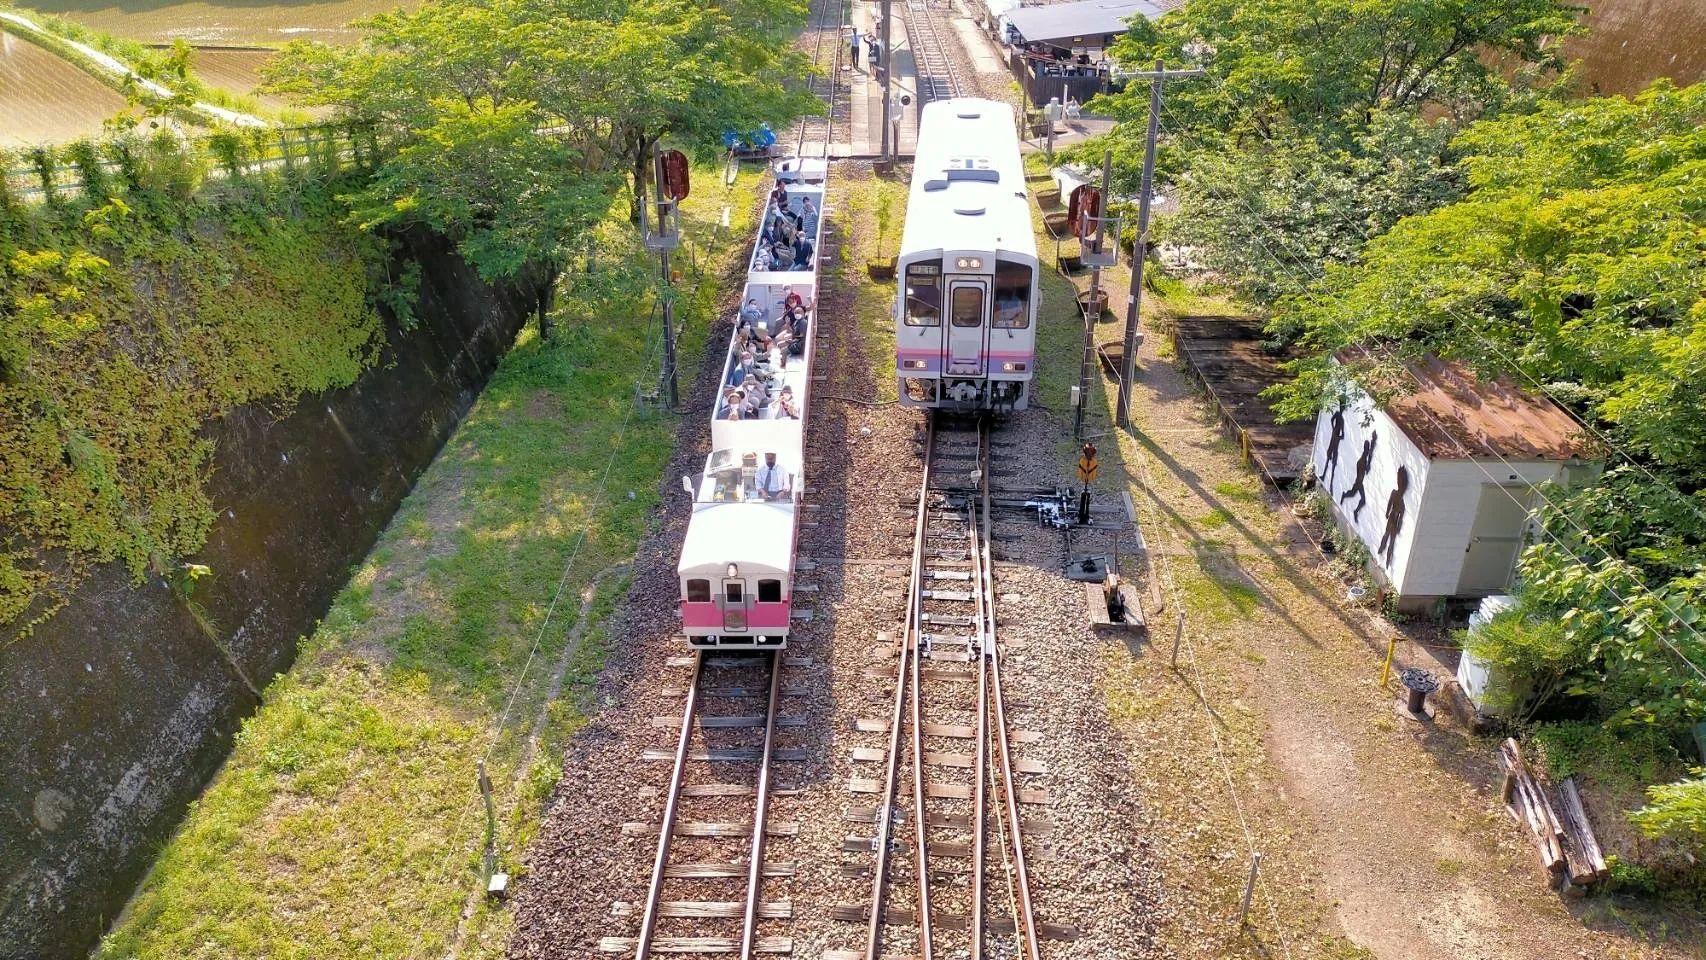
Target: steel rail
[834,71]
[922,57]
[885,809]
[649,920]
[921,827]
[755,872]
[985,594]
[1026,923]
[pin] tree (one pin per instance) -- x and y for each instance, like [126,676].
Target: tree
[1326,66]
[1267,218]
[1576,259]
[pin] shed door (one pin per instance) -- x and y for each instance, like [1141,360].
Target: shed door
[968,325]
[1501,516]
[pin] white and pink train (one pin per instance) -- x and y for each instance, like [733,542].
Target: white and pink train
[966,314]
[737,564]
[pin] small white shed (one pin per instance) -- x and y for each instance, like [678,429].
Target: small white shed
[1439,483]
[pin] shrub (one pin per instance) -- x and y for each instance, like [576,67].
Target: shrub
[1676,810]
[1531,659]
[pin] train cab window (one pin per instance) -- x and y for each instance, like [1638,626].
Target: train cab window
[698,591]
[769,591]
[734,590]
[1012,296]
[924,294]
[968,306]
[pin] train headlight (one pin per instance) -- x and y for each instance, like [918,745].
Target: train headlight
[913,364]
[1013,368]
[969,263]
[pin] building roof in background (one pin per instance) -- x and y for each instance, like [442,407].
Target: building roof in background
[1088,18]
[1451,414]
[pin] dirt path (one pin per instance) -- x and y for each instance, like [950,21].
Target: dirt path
[1396,822]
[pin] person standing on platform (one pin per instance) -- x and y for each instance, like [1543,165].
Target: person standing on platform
[853,45]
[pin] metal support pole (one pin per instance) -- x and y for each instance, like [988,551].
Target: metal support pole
[1135,300]
[886,70]
[489,857]
[1087,361]
[1178,635]
[669,390]
[1250,887]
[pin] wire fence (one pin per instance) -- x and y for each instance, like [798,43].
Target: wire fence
[168,159]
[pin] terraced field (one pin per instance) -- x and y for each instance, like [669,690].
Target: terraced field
[43,98]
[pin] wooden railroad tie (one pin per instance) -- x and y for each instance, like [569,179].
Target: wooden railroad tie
[732,868]
[726,755]
[707,909]
[769,945]
[693,828]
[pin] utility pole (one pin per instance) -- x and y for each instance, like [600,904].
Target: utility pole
[664,225]
[1135,300]
[886,61]
[1093,311]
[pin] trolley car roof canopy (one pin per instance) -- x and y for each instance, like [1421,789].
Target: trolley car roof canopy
[756,535]
[968,184]
[1075,21]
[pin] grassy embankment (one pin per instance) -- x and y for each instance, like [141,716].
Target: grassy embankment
[347,821]
[873,211]
[139,311]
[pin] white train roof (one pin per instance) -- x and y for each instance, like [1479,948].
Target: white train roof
[968,182]
[756,535]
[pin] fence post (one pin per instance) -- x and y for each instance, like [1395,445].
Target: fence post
[1178,635]
[1250,887]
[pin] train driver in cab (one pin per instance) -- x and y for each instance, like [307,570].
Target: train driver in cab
[773,481]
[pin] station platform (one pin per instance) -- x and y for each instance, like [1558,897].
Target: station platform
[867,97]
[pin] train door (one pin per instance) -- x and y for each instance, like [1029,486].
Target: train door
[968,328]
[734,605]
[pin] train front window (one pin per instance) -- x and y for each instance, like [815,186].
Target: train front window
[968,306]
[924,294]
[1012,296]
[769,591]
[698,591]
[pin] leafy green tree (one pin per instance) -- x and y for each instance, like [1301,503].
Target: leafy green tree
[1269,216]
[1329,65]
[1577,259]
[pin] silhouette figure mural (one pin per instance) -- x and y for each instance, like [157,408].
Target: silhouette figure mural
[1394,517]
[1364,462]
[1331,465]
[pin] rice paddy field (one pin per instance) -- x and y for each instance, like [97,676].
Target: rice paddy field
[236,22]
[43,98]
[236,70]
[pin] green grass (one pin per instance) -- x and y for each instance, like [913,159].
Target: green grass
[1218,517]
[346,822]
[872,216]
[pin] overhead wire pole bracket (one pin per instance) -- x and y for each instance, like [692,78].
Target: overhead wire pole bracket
[1140,252]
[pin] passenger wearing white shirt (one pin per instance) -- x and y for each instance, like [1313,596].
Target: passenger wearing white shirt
[772,480]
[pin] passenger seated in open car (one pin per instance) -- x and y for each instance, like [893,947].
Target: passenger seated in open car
[785,407]
[732,403]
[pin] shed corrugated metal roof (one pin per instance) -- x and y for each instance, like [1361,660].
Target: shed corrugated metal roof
[1451,414]
[1087,18]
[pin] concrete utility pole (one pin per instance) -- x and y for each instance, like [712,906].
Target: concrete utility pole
[668,385]
[1093,312]
[1156,77]
[887,61]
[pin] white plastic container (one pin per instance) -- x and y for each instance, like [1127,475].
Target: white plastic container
[1473,674]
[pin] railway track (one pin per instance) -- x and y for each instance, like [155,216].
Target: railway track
[949,873]
[937,77]
[718,865]
[818,131]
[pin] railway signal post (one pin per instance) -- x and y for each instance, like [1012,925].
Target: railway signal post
[1088,466]
[1093,310]
[883,71]
[1141,250]
[664,239]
